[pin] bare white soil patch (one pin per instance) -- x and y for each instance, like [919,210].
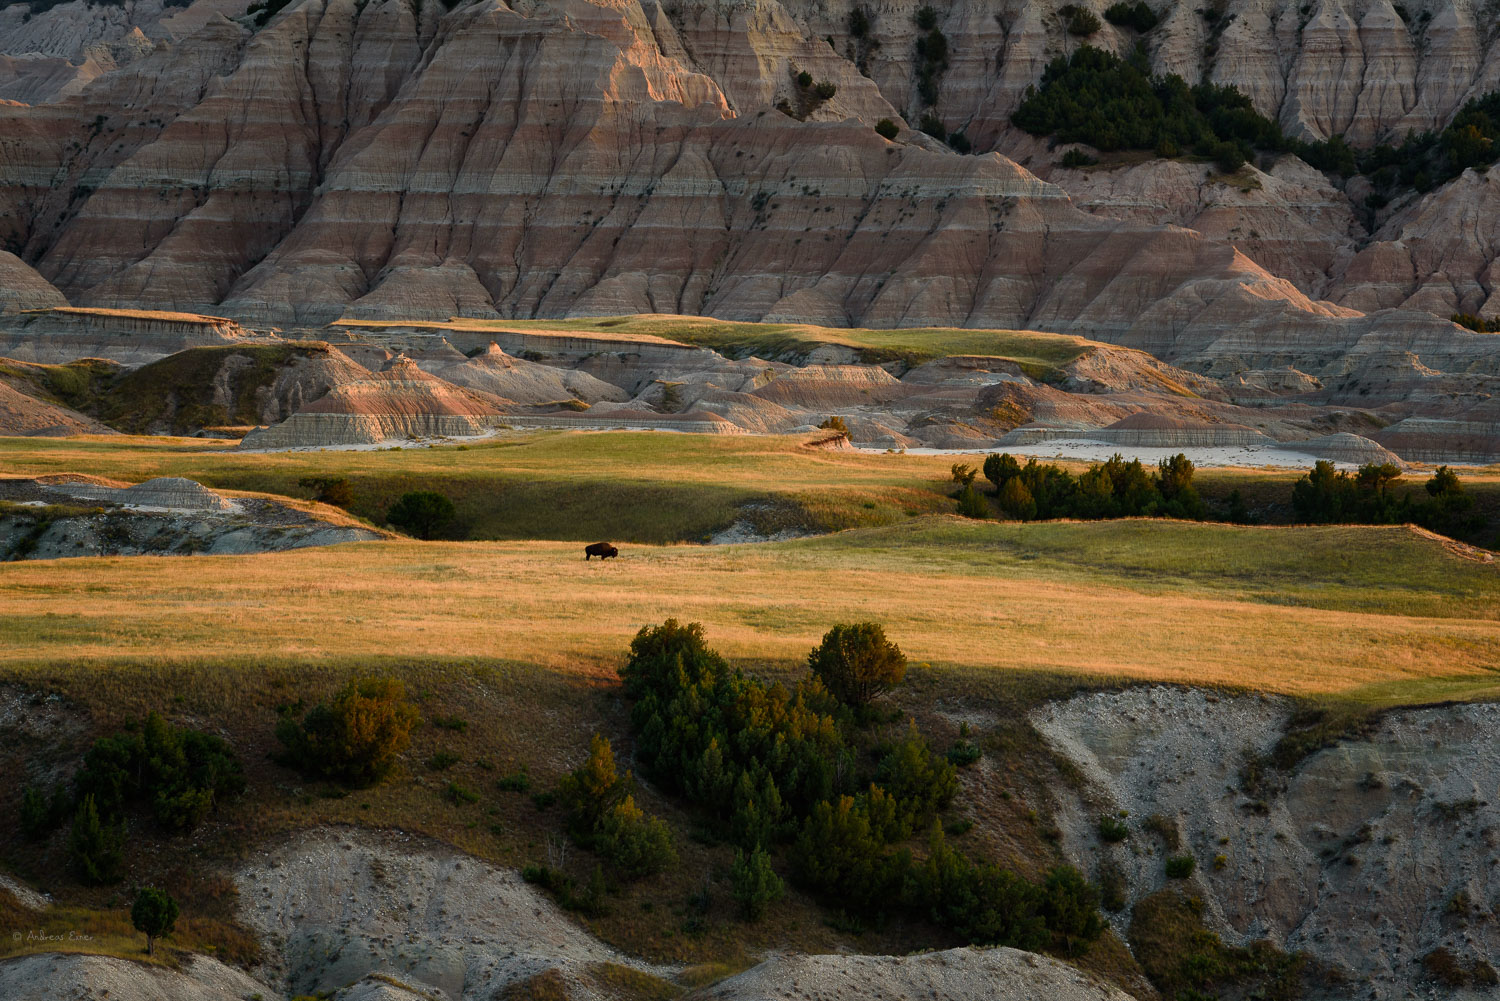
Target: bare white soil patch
[954,975]
[55,976]
[338,906]
[1374,852]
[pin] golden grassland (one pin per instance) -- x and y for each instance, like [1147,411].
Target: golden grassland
[1040,354]
[1383,613]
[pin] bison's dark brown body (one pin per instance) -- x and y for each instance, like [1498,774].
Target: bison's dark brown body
[603,550]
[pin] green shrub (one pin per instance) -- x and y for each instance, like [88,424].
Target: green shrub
[1478,324]
[921,783]
[753,884]
[602,814]
[182,774]
[1184,960]
[1112,886]
[153,914]
[1110,489]
[804,79]
[35,814]
[857,663]
[933,126]
[1180,866]
[514,782]
[887,129]
[356,737]
[1137,16]
[422,513]
[836,423]
[458,794]
[825,90]
[95,845]
[931,50]
[1076,158]
[592,789]
[1070,908]
[1112,829]
[442,761]
[637,844]
[959,142]
[971,503]
[964,753]
[455,723]
[1080,20]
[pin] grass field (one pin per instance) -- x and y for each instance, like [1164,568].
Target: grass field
[1310,611]
[640,487]
[1040,354]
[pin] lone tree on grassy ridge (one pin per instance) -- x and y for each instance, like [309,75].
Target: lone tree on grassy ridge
[423,513]
[355,738]
[154,914]
[857,663]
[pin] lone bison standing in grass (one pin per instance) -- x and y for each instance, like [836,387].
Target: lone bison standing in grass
[603,550]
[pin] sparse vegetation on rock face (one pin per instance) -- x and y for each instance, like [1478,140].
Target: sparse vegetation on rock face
[1080,21]
[1097,98]
[931,56]
[355,737]
[1137,16]
[1186,960]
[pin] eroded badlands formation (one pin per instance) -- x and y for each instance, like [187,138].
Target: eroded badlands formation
[395,160]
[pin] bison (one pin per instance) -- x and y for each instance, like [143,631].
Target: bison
[603,550]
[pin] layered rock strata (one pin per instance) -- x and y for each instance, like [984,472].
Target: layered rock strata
[130,337]
[400,402]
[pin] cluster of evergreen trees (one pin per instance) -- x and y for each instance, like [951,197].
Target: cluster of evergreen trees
[774,765]
[1327,496]
[1095,97]
[1110,103]
[1113,489]
[177,774]
[1425,160]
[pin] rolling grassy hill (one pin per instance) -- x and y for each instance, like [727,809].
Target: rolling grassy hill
[1336,611]
[510,647]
